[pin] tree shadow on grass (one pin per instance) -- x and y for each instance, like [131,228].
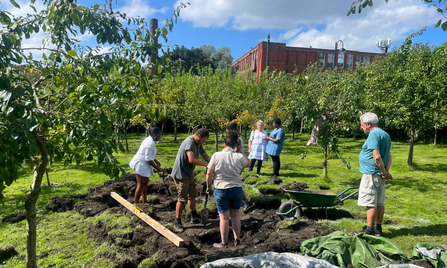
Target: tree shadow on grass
[89,167]
[298,175]
[441,167]
[422,185]
[430,230]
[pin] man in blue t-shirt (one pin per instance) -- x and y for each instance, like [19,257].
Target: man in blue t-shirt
[375,162]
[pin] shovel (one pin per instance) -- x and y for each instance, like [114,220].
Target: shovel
[163,177]
[205,213]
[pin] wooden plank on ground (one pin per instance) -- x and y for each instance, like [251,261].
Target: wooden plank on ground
[153,223]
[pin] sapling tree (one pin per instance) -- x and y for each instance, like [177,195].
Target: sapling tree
[54,108]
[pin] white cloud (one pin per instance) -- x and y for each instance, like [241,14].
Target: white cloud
[317,23]
[140,8]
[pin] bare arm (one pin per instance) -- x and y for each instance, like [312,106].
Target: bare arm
[206,157]
[209,180]
[158,163]
[389,163]
[195,161]
[272,139]
[379,163]
[238,149]
[154,165]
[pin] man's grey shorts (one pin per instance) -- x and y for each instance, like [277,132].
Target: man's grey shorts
[372,191]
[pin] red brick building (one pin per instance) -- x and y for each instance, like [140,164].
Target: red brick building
[289,59]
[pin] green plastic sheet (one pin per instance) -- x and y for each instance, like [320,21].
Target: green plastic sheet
[440,261]
[360,250]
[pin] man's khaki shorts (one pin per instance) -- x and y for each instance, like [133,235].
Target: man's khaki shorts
[186,189]
[372,191]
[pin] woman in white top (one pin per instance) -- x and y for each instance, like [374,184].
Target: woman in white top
[227,166]
[144,162]
[256,147]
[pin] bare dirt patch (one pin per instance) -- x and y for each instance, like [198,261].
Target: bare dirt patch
[260,229]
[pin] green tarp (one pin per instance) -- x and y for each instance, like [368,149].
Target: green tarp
[359,250]
[436,255]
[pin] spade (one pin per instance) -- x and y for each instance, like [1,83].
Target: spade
[205,213]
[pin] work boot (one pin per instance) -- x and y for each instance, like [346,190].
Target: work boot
[178,226]
[364,230]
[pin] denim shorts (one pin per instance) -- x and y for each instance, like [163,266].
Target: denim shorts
[228,199]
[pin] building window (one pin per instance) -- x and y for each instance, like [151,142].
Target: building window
[366,60]
[350,61]
[358,59]
[330,60]
[341,61]
[321,60]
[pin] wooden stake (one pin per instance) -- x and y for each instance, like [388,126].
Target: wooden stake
[153,223]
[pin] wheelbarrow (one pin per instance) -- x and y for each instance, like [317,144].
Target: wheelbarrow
[292,209]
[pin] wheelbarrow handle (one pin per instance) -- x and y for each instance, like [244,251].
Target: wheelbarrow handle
[348,196]
[344,191]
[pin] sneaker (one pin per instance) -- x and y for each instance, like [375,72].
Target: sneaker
[220,245]
[237,242]
[195,219]
[364,230]
[178,227]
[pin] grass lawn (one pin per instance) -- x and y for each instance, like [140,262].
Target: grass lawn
[416,209]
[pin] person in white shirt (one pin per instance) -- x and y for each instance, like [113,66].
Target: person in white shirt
[227,166]
[144,162]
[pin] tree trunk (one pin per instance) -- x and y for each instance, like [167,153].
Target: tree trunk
[175,132]
[301,127]
[317,125]
[163,125]
[325,152]
[436,136]
[125,136]
[245,133]
[40,166]
[48,177]
[293,131]
[216,134]
[410,153]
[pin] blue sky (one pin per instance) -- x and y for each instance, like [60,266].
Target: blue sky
[242,24]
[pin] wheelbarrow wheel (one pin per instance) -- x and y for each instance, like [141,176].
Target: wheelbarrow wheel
[287,206]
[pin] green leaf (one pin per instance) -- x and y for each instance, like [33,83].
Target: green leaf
[370,3]
[106,88]
[438,23]
[444,26]
[72,53]
[14,3]
[364,3]
[122,147]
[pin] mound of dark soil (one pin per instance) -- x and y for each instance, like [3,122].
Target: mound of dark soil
[275,180]
[59,204]
[90,209]
[297,186]
[7,252]
[16,217]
